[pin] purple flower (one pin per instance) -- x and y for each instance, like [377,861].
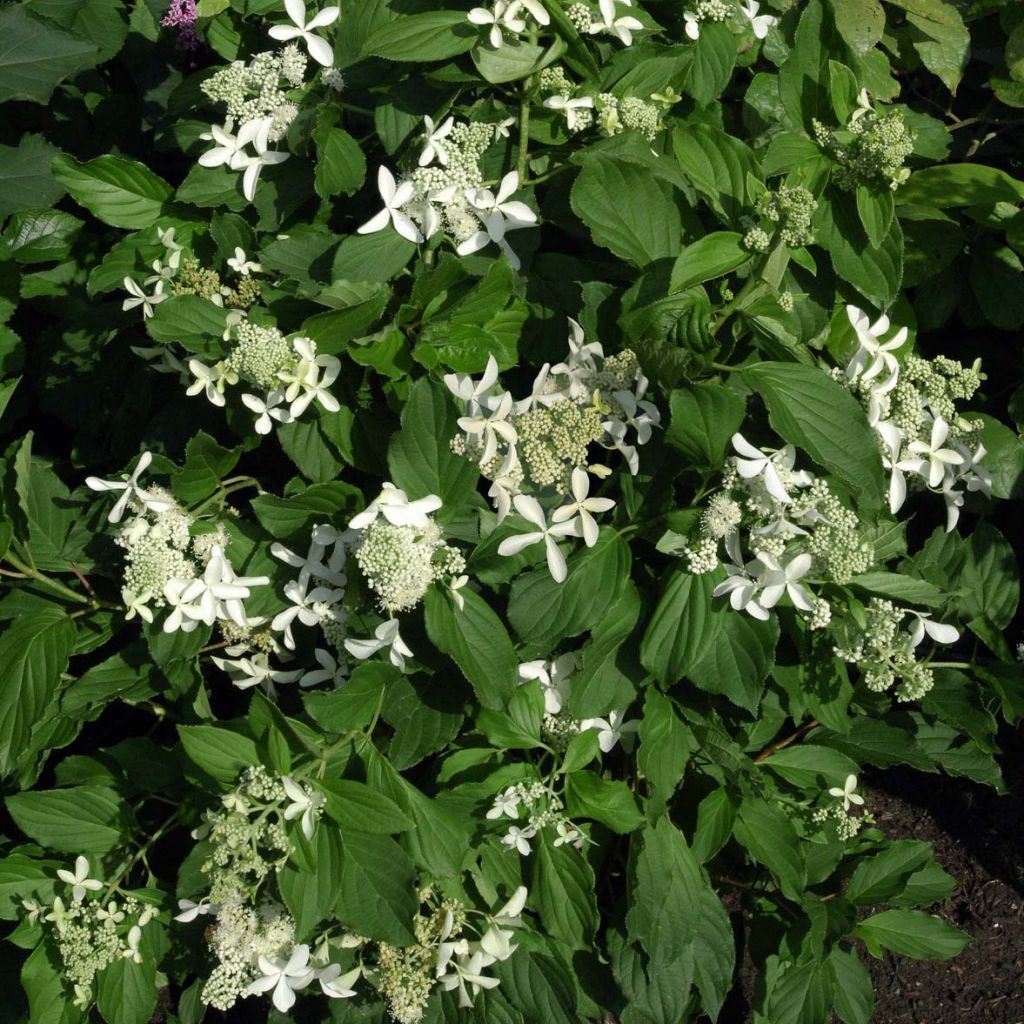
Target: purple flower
[181,14]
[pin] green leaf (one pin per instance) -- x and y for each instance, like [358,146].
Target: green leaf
[880,878]
[801,994]
[341,165]
[310,895]
[876,211]
[354,705]
[717,165]
[960,184]
[665,906]
[477,641]
[540,986]
[714,57]
[705,415]
[860,23]
[853,991]
[665,744]
[737,659]
[770,838]
[206,464]
[608,801]
[681,628]
[80,819]
[716,816]
[25,176]
[811,767]
[354,805]
[628,210]
[941,38]
[415,38]
[41,236]
[898,587]
[34,652]
[911,933]
[121,193]
[36,55]
[419,458]
[709,257]
[515,60]
[285,517]
[127,993]
[562,892]
[377,889]
[221,753]
[714,952]
[804,77]
[815,413]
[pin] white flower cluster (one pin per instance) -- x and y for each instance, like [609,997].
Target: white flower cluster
[508,19]
[252,935]
[169,563]
[719,10]
[614,114]
[558,726]
[91,931]
[541,808]
[543,440]
[446,193]
[911,407]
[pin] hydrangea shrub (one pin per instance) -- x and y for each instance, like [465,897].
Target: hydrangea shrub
[482,484]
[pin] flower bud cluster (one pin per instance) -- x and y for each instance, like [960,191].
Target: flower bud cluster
[541,808]
[870,151]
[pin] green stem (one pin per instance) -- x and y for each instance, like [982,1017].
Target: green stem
[31,572]
[224,489]
[524,131]
[753,283]
[950,664]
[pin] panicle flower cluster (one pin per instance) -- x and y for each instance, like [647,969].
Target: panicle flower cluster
[181,16]
[93,926]
[871,150]
[835,814]
[785,212]
[172,560]
[795,527]
[612,114]
[925,442]
[543,441]
[445,193]
[540,808]
[260,88]
[883,647]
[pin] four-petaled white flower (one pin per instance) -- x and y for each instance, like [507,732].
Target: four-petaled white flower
[873,355]
[395,197]
[940,632]
[393,504]
[506,804]
[571,108]
[518,839]
[761,24]
[319,49]
[691,25]
[553,677]
[240,264]
[463,387]
[303,607]
[130,491]
[136,604]
[229,148]
[132,952]
[210,381]
[284,975]
[140,298]
[937,458]
[385,635]
[497,18]
[623,27]
[744,580]
[435,148]
[267,410]
[847,793]
[783,578]
[79,879]
[336,985]
[611,730]
[189,910]
[755,463]
[255,671]
[583,506]
[534,8]
[489,428]
[529,508]
[303,803]
[330,670]
[253,165]
[498,214]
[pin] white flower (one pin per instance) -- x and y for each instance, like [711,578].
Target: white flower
[582,354]
[757,463]
[385,635]
[130,490]
[320,374]
[302,803]
[79,879]
[498,215]
[331,670]
[435,148]
[134,938]
[110,913]
[241,265]
[501,129]
[284,975]
[692,25]
[641,416]
[462,386]
[260,140]
[872,355]
[164,271]
[553,677]
[612,730]
[456,586]
[569,834]
[783,578]
[505,485]
[760,23]
[140,298]
[319,49]
[395,197]
[743,580]
[506,804]
[190,911]
[938,459]
[617,431]
[892,438]
[623,27]
[529,508]
[490,428]
[267,409]
[497,17]
[582,506]
[229,148]
[393,504]
[210,380]
[218,593]
[940,632]
[535,8]
[570,108]
[863,106]
[166,236]
[336,985]
[302,607]
[467,971]
[255,671]
[518,839]
[847,793]
[135,604]
[181,615]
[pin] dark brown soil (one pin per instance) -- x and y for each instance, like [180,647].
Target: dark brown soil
[978,838]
